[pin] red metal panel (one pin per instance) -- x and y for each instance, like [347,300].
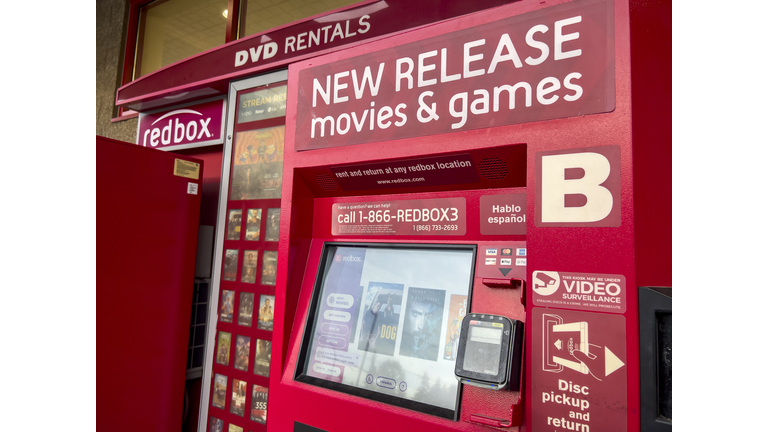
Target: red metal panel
[146,239]
[624,250]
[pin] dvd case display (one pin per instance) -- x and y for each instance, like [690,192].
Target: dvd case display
[227,306]
[381,318]
[235,428]
[423,319]
[222,348]
[230,265]
[269,268]
[215,425]
[253,224]
[266,312]
[234,221]
[456,311]
[273,225]
[245,314]
[242,348]
[262,358]
[219,391]
[237,405]
[259,398]
[258,164]
[250,260]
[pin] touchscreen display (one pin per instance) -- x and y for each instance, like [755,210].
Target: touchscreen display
[385,320]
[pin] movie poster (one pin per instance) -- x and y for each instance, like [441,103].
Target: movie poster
[227,306]
[219,391]
[259,404]
[421,327]
[456,312]
[269,268]
[216,425]
[245,314]
[242,349]
[233,224]
[233,428]
[273,225]
[381,317]
[250,260]
[253,224]
[222,349]
[258,164]
[266,312]
[263,357]
[237,405]
[230,265]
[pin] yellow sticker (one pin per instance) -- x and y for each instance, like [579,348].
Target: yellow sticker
[498,324]
[186,169]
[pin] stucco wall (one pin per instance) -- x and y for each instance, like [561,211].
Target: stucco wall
[111,22]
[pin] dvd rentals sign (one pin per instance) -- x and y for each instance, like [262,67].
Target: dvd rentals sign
[552,63]
[184,126]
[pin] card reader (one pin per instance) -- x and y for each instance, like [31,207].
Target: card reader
[489,353]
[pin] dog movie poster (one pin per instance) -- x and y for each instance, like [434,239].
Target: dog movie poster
[258,164]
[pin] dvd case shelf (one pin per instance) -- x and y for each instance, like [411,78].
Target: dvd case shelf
[242,358]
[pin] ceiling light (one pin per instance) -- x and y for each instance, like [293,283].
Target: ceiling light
[224,13]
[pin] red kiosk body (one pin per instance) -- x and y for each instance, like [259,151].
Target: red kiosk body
[513,161]
[559,175]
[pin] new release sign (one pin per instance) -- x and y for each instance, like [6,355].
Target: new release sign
[184,126]
[551,63]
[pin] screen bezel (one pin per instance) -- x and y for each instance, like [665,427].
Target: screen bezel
[300,374]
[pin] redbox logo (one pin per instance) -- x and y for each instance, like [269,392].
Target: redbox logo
[198,124]
[579,187]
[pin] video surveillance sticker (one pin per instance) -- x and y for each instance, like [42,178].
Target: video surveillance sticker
[582,291]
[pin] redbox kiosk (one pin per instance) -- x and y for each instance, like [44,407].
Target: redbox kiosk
[503,164]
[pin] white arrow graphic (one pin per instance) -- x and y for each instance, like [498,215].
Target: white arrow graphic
[612,363]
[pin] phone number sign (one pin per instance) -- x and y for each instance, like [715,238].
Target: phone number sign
[437,217]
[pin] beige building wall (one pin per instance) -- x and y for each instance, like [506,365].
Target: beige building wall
[111,23]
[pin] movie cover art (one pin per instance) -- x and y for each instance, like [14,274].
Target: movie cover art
[456,312]
[222,348]
[421,327]
[381,317]
[227,306]
[263,357]
[219,391]
[259,404]
[245,314]
[250,260]
[269,268]
[266,312]
[230,265]
[253,225]
[237,405]
[234,428]
[273,225]
[233,224]
[216,425]
[242,349]
[258,164]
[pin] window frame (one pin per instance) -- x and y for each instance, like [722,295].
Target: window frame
[132,45]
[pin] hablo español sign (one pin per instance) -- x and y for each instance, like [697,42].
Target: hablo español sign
[552,63]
